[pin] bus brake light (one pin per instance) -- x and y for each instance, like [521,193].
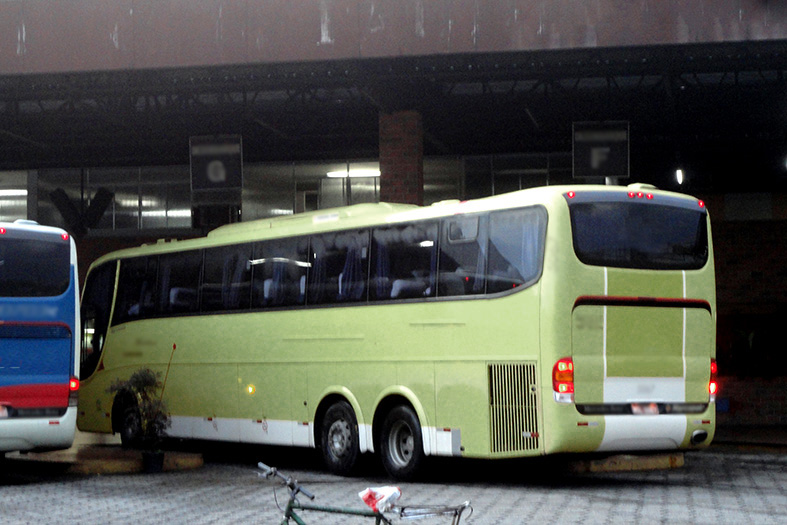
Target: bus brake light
[73,391]
[713,385]
[563,380]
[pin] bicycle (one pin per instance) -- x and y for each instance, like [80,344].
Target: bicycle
[407,513]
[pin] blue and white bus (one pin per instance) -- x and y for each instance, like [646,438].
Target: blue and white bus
[39,337]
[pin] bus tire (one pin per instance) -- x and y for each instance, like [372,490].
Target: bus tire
[130,426]
[401,443]
[339,439]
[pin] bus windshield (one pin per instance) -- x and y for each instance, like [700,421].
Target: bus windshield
[639,235]
[33,268]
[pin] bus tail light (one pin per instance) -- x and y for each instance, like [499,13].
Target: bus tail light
[73,391]
[713,385]
[563,380]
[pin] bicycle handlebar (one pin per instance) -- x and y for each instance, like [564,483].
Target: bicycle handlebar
[291,483]
[268,471]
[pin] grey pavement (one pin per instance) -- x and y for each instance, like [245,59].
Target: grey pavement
[714,487]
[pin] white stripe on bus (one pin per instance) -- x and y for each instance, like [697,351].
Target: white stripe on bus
[437,441]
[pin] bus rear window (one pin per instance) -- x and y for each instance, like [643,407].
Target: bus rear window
[34,268]
[639,235]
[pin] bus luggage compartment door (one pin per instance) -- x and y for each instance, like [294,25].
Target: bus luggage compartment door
[35,368]
[641,355]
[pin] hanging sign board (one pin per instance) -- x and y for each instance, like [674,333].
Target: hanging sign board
[216,163]
[601,149]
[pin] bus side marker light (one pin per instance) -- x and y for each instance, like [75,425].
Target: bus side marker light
[571,194]
[587,423]
[250,389]
[2,231]
[54,422]
[64,236]
[527,435]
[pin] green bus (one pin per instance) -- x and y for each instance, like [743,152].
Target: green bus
[555,319]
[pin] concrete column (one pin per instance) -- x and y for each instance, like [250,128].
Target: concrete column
[402,157]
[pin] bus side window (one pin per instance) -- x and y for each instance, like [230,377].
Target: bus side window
[136,298]
[179,275]
[226,283]
[463,256]
[404,262]
[96,305]
[339,267]
[279,271]
[516,248]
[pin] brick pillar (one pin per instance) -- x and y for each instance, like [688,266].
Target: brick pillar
[402,157]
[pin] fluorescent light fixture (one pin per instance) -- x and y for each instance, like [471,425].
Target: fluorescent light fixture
[679,175]
[13,193]
[280,211]
[167,213]
[179,213]
[360,172]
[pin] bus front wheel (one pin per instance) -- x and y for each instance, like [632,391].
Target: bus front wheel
[339,439]
[401,445]
[130,426]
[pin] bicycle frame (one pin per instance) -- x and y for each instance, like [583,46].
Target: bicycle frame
[408,512]
[294,504]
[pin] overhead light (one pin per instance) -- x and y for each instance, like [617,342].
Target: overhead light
[13,193]
[679,175]
[361,172]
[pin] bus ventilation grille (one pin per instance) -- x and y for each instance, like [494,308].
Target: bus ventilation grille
[513,407]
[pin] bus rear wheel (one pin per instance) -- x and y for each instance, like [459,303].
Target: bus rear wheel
[401,444]
[339,439]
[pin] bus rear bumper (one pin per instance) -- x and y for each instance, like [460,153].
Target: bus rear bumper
[574,432]
[26,434]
